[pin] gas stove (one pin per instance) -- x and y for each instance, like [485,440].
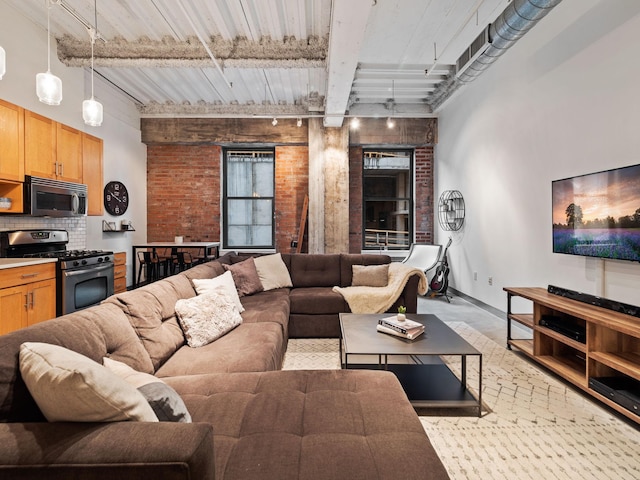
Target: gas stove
[83,277]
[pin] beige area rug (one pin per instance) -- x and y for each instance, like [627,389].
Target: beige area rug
[533,426]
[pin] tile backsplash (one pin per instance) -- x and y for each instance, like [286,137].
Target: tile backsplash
[76,226]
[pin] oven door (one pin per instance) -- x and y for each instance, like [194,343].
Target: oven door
[85,286]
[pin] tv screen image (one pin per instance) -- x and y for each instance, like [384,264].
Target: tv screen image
[598,215]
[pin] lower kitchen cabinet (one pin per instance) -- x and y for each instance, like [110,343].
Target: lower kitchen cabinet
[27,296]
[120,272]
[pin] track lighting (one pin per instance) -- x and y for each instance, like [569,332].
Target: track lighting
[48,86]
[299,122]
[3,62]
[274,122]
[390,122]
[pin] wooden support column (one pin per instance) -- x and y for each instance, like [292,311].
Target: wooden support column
[336,189]
[316,186]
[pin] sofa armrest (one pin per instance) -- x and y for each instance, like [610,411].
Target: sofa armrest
[123,450]
[408,297]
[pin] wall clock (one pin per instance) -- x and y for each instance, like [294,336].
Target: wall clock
[116,198]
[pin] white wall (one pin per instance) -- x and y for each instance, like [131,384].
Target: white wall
[125,156]
[563,101]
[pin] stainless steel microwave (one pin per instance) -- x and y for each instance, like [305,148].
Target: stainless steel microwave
[44,197]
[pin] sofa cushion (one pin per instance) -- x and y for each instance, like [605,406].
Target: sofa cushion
[317,300]
[204,270]
[370,275]
[272,271]
[250,347]
[207,317]
[245,276]
[224,281]
[164,400]
[348,260]
[69,387]
[271,306]
[315,270]
[311,425]
[151,312]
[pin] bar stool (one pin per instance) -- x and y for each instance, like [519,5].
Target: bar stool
[148,262]
[182,261]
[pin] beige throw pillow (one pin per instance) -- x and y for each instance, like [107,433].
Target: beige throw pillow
[273,272]
[370,275]
[224,281]
[204,318]
[69,387]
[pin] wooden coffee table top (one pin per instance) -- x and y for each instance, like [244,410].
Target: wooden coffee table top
[360,337]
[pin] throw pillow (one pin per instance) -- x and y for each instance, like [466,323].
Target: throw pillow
[224,281]
[69,387]
[370,275]
[204,318]
[245,276]
[164,400]
[272,271]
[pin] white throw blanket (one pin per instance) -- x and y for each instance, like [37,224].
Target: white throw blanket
[380,299]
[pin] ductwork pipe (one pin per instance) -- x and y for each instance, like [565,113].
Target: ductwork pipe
[518,18]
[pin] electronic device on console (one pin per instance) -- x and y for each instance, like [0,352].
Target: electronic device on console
[619,307]
[625,391]
[565,327]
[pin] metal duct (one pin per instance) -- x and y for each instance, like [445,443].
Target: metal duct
[518,18]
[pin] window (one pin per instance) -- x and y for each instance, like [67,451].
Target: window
[387,196]
[248,199]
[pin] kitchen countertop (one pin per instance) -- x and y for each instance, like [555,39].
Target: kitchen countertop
[24,262]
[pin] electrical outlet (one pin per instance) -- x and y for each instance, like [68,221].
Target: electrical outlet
[294,243]
[490,280]
[475,276]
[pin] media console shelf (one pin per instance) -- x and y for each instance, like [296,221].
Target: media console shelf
[589,346]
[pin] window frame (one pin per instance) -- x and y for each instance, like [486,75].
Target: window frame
[225,198]
[410,152]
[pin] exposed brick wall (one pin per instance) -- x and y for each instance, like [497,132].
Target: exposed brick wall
[183,192]
[355,199]
[424,194]
[292,184]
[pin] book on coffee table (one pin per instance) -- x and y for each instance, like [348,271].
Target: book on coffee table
[402,327]
[409,335]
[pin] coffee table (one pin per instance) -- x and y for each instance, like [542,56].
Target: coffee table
[426,378]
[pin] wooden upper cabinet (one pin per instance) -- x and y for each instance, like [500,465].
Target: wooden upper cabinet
[11,142]
[40,138]
[92,148]
[69,153]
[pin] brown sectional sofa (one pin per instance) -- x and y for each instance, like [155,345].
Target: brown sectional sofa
[250,419]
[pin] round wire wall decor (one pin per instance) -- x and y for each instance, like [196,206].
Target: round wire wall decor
[451,210]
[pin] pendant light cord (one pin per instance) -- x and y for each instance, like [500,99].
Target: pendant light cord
[48,36]
[93,35]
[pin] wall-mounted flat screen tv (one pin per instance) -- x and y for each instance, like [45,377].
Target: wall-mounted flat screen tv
[598,215]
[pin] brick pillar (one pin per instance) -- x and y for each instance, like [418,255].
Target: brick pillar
[424,195]
[292,184]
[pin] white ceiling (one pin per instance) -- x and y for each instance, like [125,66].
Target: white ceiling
[270,57]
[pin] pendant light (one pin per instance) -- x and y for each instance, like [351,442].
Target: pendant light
[48,86]
[92,109]
[3,62]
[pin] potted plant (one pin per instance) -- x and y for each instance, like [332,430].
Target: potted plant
[402,310]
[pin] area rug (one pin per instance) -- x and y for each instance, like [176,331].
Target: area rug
[533,425]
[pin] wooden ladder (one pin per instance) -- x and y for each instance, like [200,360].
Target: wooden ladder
[303,223]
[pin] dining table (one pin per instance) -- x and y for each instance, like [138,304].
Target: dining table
[206,247]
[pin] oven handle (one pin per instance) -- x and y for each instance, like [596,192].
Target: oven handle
[84,270]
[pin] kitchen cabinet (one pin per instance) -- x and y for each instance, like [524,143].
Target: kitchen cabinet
[11,142]
[120,272]
[52,150]
[92,151]
[27,296]
[68,153]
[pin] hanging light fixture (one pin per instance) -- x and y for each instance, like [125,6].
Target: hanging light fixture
[3,62]
[274,122]
[92,109]
[48,86]
[299,122]
[355,123]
